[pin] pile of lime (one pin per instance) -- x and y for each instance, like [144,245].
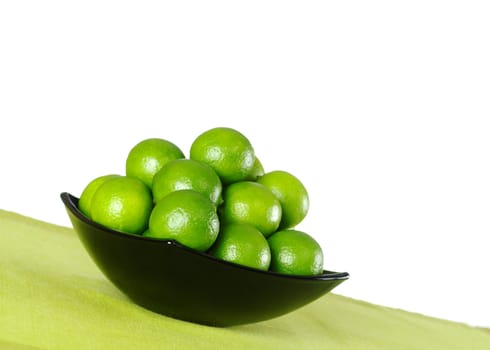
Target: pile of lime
[219,201]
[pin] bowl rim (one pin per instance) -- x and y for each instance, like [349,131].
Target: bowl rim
[70,202]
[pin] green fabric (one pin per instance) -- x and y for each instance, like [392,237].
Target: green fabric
[53,297]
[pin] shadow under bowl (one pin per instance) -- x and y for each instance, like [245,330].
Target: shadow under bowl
[170,279]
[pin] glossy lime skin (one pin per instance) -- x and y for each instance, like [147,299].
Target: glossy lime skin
[244,245]
[148,157]
[86,197]
[257,170]
[187,217]
[291,193]
[227,151]
[251,203]
[187,174]
[123,204]
[295,252]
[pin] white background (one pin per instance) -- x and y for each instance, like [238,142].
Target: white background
[381,108]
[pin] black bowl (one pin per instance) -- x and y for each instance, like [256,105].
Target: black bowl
[170,279]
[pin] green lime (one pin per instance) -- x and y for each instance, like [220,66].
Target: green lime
[295,253]
[187,174]
[227,151]
[251,203]
[244,245]
[257,170]
[187,217]
[88,193]
[148,157]
[122,203]
[291,193]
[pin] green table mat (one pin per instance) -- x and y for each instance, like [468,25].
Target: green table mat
[52,296]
